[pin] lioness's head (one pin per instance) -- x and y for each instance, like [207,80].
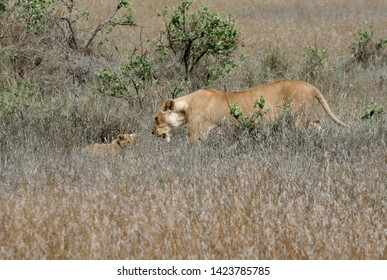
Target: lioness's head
[169,116]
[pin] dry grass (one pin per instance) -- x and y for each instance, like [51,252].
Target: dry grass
[291,195]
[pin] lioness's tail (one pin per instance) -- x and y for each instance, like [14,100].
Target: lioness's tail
[326,107]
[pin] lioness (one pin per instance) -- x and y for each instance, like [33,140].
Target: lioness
[204,109]
[117,146]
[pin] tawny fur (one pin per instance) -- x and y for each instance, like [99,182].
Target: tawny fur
[117,146]
[203,110]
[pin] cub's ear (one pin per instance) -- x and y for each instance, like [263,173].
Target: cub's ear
[120,137]
[169,105]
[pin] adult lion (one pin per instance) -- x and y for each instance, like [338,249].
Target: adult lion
[204,109]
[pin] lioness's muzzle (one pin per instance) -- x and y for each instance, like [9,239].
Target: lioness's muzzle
[157,134]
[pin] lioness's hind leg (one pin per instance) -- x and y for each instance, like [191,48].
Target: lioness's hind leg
[303,117]
[316,124]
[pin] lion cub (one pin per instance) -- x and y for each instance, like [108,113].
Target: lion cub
[117,146]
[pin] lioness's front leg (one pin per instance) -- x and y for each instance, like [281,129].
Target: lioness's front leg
[198,130]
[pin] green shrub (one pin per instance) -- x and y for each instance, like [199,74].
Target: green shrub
[81,39]
[249,124]
[366,51]
[112,83]
[179,87]
[3,5]
[15,100]
[257,127]
[137,73]
[203,42]
[24,109]
[40,16]
[38,39]
[372,110]
[313,62]
[35,14]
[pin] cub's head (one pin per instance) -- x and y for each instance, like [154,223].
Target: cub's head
[125,140]
[170,115]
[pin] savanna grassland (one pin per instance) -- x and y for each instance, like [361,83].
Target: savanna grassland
[286,194]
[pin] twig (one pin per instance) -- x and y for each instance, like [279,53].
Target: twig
[101,26]
[72,38]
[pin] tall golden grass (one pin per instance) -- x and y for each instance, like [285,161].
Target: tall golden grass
[291,195]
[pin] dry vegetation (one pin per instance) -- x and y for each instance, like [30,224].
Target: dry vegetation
[291,195]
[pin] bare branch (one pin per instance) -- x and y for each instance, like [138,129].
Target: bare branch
[73,37]
[101,26]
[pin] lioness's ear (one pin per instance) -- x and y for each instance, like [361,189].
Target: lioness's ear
[169,105]
[120,137]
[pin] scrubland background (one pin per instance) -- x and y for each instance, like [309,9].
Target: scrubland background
[290,195]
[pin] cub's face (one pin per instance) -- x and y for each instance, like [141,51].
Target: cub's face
[126,140]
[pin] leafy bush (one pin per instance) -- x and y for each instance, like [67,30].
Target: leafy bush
[15,100]
[202,42]
[372,110]
[179,87]
[136,73]
[249,124]
[366,51]
[38,39]
[35,14]
[41,16]
[112,82]
[257,127]
[3,5]
[77,38]
[313,62]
